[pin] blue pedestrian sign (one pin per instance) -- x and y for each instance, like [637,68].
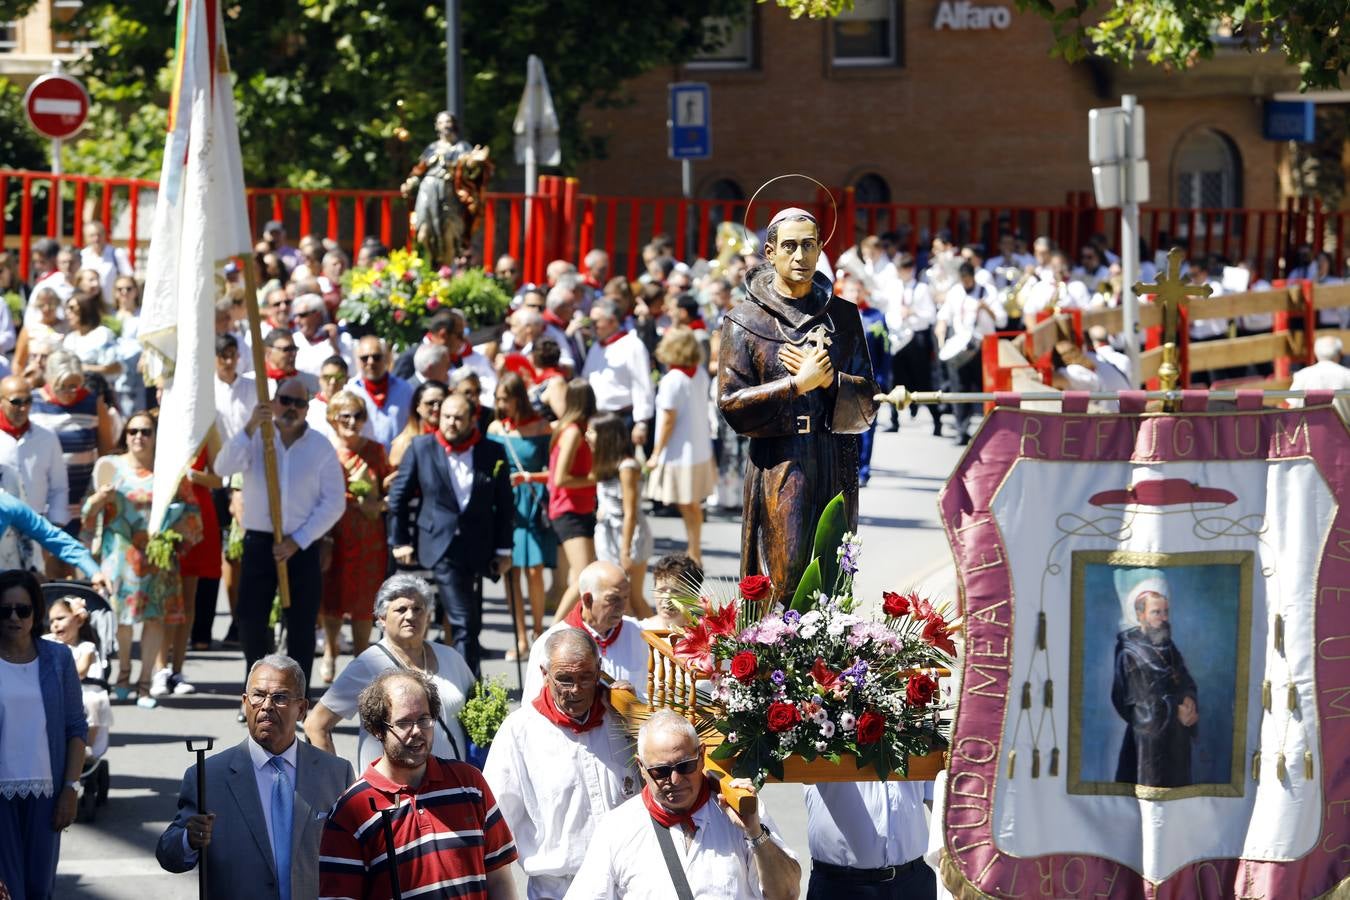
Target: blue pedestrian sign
[1289,121]
[690,122]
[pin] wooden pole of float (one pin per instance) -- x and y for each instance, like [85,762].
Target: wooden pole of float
[269,446]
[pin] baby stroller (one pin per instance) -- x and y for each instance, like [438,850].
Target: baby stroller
[96,778]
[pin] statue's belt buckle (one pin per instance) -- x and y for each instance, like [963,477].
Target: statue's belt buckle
[803,424]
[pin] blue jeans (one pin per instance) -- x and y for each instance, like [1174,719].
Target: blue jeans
[462,603]
[28,847]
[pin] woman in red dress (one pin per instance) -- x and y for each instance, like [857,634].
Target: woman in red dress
[360,556]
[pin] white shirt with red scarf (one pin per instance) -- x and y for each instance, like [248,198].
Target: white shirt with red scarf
[625,659]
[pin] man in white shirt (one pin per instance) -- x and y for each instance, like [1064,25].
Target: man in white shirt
[390,396]
[970,313]
[910,315]
[867,841]
[603,587]
[1007,267]
[32,451]
[1327,374]
[1091,270]
[561,322]
[315,337]
[236,394]
[715,850]
[313,498]
[524,327]
[559,763]
[105,259]
[332,379]
[1053,289]
[1103,354]
[620,371]
[60,278]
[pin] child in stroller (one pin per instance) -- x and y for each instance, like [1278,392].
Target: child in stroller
[73,623]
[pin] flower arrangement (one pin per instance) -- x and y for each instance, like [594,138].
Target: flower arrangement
[817,680]
[395,296]
[484,712]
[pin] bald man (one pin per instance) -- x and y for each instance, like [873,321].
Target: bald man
[32,452]
[390,396]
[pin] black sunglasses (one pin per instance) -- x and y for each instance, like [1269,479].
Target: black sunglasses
[22,611]
[140,432]
[19,401]
[684,767]
[293,402]
[370,357]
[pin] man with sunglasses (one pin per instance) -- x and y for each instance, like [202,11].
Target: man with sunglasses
[333,380]
[559,763]
[32,451]
[389,397]
[676,832]
[313,498]
[268,796]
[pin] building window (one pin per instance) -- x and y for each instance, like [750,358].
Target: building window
[871,188]
[866,35]
[733,42]
[1207,171]
[9,37]
[66,39]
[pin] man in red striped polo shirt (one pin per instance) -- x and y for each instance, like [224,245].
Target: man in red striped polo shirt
[449,838]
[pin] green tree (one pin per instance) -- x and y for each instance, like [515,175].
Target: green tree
[20,146]
[342,93]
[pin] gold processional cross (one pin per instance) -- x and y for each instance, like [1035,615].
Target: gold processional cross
[1171,294]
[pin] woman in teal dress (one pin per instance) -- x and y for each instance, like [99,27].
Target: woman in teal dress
[142,593]
[526,437]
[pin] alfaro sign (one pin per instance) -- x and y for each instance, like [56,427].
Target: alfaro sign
[965,16]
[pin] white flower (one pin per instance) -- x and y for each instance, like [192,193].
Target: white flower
[820,746]
[732,737]
[847,721]
[811,618]
[835,628]
[808,631]
[827,729]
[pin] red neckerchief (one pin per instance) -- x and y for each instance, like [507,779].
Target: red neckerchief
[576,621]
[280,374]
[698,325]
[11,429]
[550,372]
[466,444]
[863,306]
[378,389]
[667,819]
[551,318]
[605,342]
[688,370]
[321,397]
[428,428]
[458,359]
[511,424]
[549,710]
[81,394]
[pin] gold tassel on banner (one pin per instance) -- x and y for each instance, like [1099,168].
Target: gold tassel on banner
[1279,634]
[1049,698]
[1040,631]
[1293,697]
[1026,695]
[1281,773]
[1265,695]
[1012,763]
[1036,762]
[1054,762]
[1256,766]
[1307,765]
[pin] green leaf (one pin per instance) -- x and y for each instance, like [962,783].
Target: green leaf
[804,598]
[830,530]
[724,751]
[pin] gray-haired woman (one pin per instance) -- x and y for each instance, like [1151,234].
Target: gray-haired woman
[403,610]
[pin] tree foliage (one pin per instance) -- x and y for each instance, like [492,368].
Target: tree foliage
[1311,34]
[20,145]
[343,93]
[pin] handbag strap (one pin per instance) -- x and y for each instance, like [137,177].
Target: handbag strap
[450,735]
[677,878]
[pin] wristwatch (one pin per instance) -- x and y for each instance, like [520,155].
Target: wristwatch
[763,837]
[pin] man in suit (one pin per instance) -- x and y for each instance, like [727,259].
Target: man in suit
[270,795]
[465,519]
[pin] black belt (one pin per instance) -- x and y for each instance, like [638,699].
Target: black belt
[847,873]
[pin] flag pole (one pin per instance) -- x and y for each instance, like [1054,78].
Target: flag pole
[269,447]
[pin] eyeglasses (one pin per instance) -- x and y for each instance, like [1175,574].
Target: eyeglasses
[140,432]
[432,404]
[283,348]
[371,357]
[312,312]
[406,726]
[333,376]
[293,402]
[21,611]
[19,401]
[126,287]
[282,303]
[684,767]
[351,418]
[258,699]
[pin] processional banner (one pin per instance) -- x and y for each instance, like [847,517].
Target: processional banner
[1155,688]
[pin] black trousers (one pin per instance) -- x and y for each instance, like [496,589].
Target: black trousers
[208,589]
[257,587]
[912,366]
[917,883]
[967,379]
[461,597]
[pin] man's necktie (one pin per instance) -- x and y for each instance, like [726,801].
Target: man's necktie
[283,811]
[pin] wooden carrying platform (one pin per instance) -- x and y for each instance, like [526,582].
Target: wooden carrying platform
[672,686]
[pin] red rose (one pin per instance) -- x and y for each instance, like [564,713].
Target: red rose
[937,635]
[744,666]
[782,716]
[893,604]
[870,726]
[756,587]
[921,690]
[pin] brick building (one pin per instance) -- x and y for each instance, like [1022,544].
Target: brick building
[942,102]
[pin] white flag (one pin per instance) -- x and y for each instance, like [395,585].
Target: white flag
[200,222]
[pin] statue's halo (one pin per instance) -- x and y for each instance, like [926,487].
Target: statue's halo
[834,206]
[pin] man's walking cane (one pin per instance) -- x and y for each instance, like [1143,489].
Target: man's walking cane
[517,624]
[200,746]
[387,823]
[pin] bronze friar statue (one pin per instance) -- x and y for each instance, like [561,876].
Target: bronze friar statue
[795,378]
[446,187]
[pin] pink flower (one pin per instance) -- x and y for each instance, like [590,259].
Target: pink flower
[444,272]
[399,315]
[379,265]
[378,282]
[719,621]
[694,647]
[433,303]
[409,277]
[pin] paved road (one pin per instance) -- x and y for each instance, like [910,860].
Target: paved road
[113,858]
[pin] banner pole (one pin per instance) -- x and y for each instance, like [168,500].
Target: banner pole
[269,448]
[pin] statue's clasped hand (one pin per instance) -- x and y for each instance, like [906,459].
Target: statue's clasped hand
[810,369]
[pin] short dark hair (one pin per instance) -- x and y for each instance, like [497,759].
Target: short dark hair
[47,248]
[335,360]
[12,578]
[90,307]
[966,270]
[226,342]
[547,353]
[771,236]
[373,703]
[444,320]
[678,567]
[904,260]
[275,335]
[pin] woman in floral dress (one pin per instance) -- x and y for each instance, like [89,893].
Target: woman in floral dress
[118,513]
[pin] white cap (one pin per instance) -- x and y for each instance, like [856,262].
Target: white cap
[792,212]
[1154,584]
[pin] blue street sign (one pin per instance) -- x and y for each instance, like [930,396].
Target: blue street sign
[690,122]
[1289,120]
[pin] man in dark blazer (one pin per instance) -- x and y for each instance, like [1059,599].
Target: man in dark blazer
[465,519]
[252,789]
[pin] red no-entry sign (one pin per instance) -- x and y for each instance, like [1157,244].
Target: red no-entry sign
[57,105]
